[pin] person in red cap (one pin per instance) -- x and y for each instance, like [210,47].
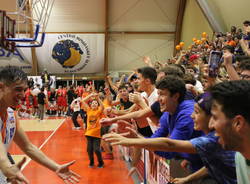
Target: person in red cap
[193,57]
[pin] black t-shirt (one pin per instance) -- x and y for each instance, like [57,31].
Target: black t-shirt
[30,83]
[40,98]
[71,96]
[52,96]
[155,107]
[126,104]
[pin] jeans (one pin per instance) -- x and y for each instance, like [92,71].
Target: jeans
[93,145]
[74,118]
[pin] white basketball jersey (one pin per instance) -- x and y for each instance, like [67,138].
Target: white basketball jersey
[10,129]
[7,133]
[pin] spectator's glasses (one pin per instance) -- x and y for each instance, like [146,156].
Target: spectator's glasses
[245,77]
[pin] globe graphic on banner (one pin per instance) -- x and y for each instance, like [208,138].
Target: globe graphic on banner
[67,53]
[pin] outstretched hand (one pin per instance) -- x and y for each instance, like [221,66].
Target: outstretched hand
[66,174]
[14,175]
[180,180]
[106,121]
[122,126]
[116,139]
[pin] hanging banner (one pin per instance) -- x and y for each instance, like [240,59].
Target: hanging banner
[72,53]
[21,57]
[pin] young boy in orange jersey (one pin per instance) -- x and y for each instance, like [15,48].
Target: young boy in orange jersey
[94,108]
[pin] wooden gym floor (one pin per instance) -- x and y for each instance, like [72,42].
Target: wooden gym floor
[55,137]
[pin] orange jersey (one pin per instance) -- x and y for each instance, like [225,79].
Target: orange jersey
[93,122]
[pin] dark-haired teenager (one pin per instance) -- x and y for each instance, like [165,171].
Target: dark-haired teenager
[219,164]
[231,121]
[13,82]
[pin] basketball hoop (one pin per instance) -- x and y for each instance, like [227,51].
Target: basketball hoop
[31,18]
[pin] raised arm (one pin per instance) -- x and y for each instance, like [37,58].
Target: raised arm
[147,61]
[122,80]
[111,84]
[100,102]
[84,100]
[245,47]
[233,75]
[130,76]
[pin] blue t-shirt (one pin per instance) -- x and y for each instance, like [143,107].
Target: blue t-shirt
[179,126]
[219,162]
[155,108]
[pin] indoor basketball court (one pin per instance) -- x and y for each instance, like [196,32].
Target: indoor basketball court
[54,136]
[126,89]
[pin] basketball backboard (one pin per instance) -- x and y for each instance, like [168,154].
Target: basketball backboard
[7,30]
[2,31]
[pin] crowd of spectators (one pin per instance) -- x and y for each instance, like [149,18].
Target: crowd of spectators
[194,106]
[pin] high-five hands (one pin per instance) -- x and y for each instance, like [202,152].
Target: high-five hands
[66,174]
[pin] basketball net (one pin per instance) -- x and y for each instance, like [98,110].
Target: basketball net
[31,18]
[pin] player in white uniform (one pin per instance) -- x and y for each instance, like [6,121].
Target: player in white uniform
[13,83]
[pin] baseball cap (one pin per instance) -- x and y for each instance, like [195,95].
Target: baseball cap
[205,102]
[193,57]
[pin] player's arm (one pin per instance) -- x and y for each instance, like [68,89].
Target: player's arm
[37,155]
[31,150]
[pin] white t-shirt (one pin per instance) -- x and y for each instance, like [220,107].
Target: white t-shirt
[76,105]
[35,91]
[198,86]
[151,98]
[242,169]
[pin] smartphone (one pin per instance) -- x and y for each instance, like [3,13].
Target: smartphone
[214,63]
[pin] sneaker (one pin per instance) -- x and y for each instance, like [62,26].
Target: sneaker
[76,128]
[108,156]
[100,165]
[91,164]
